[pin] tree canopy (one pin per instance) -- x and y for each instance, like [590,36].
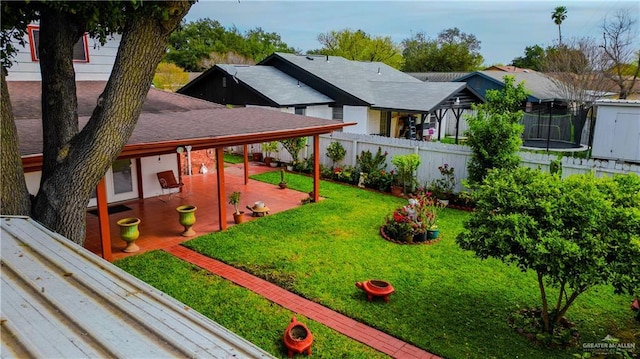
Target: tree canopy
[360,46]
[196,45]
[534,57]
[621,56]
[558,15]
[494,133]
[574,233]
[452,50]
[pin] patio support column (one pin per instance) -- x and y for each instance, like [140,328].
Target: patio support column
[457,112]
[103,220]
[222,209]
[316,168]
[245,150]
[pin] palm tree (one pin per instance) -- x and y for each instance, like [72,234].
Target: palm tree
[558,16]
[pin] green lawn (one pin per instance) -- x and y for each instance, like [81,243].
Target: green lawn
[447,301]
[233,158]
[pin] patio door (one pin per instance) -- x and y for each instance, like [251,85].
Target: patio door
[121,182]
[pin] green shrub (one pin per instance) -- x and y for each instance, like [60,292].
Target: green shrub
[495,131]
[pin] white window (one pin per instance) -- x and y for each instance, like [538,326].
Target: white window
[80,49]
[300,110]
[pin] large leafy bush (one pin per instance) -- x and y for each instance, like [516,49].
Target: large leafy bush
[574,233]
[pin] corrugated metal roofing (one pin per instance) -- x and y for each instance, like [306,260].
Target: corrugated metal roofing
[61,301]
[276,85]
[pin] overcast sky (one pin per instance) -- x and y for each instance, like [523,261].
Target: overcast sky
[504,28]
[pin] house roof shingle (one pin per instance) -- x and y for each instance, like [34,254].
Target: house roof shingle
[353,77]
[538,84]
[276,85]
[170,119]
[437,76]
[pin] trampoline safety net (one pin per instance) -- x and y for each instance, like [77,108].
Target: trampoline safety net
[540,128]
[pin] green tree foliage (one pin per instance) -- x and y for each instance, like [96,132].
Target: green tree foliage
[360,46]
[558,15]
[534,57]
[74,159]
[575,233]
[195,44]
[169,77]
[453,50]
[294,146]
[495,131]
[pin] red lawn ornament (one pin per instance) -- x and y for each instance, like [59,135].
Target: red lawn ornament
[376,288]
[297,338]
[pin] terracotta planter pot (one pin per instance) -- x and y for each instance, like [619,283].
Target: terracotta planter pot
[187,219]
[256,156]
[129,233]
[238,217]
[376,288]
[396,191]
[297,338]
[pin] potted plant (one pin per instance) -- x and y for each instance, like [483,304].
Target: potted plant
[234,199]
[395,187]
[294,146]
[336,152]
[270,147]
[255,155]
[283,181]
[442,188]
[129,233]
[187,218]
[406,165]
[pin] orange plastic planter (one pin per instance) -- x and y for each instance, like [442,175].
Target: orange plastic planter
[376,288]
[297,338]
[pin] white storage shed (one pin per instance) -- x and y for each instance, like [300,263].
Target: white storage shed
[617,131]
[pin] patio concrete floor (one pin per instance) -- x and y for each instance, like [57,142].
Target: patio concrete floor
[159,226]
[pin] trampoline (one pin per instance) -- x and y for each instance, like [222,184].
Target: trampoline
[553,132]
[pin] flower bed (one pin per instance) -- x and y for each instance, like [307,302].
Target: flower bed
[385,236]
[410,223]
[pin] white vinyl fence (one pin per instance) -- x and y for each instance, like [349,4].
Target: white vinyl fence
[434,154]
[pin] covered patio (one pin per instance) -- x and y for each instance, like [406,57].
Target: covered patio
[169,123]
[159,227]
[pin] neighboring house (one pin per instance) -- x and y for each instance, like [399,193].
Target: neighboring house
[92,61]
[378,98]
[548,119]
[541,88]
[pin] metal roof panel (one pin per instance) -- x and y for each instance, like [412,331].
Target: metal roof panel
[60,300]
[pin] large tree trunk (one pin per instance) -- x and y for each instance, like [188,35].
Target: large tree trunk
[82,159]
[14,197]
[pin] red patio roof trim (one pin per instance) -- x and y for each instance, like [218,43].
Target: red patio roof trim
[32,163]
